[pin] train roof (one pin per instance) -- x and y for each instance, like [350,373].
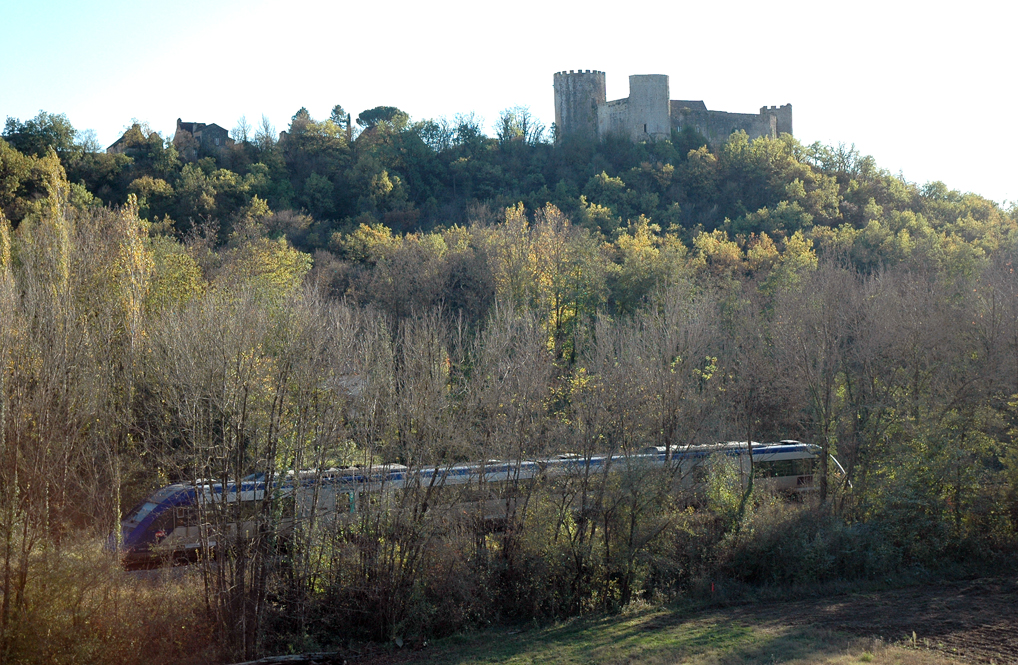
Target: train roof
[733,447]
[382,473]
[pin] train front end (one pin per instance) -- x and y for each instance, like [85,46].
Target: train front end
[144,530]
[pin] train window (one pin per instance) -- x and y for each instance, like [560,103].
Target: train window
[186,516]
[141,513]
[783,468]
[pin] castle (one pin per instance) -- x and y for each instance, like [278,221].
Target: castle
[649,114]
[192,137]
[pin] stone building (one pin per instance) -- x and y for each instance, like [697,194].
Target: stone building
[649,113]
[192,138]
[131,143]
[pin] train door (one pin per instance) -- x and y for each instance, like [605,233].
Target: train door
[160,529]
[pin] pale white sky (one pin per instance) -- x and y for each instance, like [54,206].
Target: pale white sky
[929,89]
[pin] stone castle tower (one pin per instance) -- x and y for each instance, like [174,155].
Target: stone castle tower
[577,98]
[649,113]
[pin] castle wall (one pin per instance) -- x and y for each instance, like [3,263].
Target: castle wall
[717,126]
[613,118]
[577,98]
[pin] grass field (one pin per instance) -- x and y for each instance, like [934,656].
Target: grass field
[655,636]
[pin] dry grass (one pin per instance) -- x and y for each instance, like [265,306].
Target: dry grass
[82,608]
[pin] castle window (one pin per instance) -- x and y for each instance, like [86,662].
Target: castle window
[644,128]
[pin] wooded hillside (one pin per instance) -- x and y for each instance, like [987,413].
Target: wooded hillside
[425,294]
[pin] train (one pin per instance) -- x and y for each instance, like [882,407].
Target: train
[175,523]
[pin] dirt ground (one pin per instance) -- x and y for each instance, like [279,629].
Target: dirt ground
[976,620]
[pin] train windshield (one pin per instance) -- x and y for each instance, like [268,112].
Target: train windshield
[135,518]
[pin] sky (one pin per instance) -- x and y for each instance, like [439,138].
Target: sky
[928,89]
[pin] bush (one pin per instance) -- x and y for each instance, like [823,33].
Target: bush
[801,544]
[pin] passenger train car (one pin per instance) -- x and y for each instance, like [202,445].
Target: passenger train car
[175,522]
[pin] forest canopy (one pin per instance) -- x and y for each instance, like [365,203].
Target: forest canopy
[322,184]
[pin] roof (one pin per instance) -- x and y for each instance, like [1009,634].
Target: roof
[189,127]
[691,104]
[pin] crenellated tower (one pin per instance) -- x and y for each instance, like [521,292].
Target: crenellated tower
[578,94]
[783,115]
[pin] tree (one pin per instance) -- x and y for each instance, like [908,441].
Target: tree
[265,138]
[754,383]
[468,132]
[69,345]
[814,329]
[29,186]
[313,147]
[371,117]
[269,269]
[243,132]
[518,124]
[551,268]
[675,340]
[643,261]
[340,117]
[88,141]
[38,135]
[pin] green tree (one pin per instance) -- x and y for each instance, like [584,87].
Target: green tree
[29,185]
[644,260]
[340,117]
[371,117]
[38,135]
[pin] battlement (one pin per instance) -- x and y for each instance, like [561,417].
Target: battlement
[578,94]
[782,115]
[648,114]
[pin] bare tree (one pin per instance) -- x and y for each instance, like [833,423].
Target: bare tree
[510,372]
[677,342]
[265,137]
[751,379]
[250,387]
[813,330]
[242,133]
